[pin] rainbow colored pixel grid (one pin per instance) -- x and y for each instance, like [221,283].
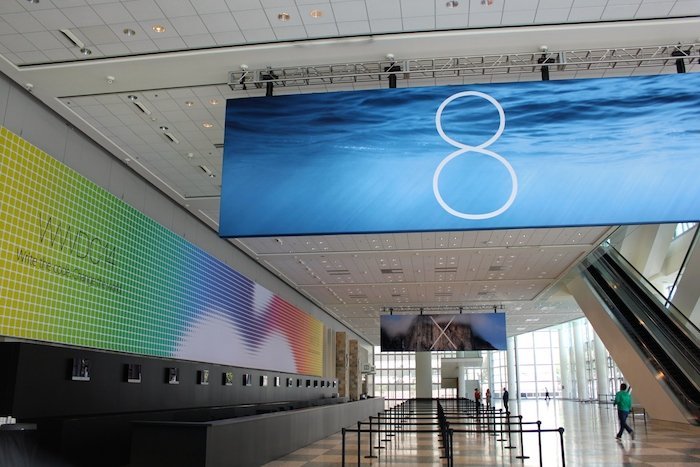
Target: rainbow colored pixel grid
[81,267]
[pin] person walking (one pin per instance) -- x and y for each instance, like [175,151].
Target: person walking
[546,394]
[505,399]
[623,402]
[488,398]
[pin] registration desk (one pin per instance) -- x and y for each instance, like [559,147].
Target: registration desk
[242,441]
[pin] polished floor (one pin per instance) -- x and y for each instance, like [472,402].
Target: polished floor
[589,439]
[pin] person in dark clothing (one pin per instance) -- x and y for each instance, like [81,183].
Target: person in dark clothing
[546,394]
[623,401]
[505,399]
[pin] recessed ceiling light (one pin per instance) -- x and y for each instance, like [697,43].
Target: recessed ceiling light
[85,51]
[283,16]
[452,4]
[213,102]
[316,13]
[189,103]
[129,32]
[132,97]
[207,125]
[158,28]
[33,1]
[164,128]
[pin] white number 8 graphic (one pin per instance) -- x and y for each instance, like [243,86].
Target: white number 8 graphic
[480,149]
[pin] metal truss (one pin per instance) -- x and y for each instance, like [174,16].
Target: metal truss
[468,66]
[420,309]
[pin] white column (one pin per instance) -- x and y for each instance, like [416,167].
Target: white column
[424,376]
[601,369]
[580,360]
[564,362]
[461,384]
[489,373]
[512,370]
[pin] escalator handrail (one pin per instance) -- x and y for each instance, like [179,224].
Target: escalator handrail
[678,315]
[663,325]
[682,341]
[680,390]
[677,388]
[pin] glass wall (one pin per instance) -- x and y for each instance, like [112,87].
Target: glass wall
[539,369]
[538,363]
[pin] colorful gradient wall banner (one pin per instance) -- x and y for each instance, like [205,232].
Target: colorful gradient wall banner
[81,267]
[532,154]
[471,331]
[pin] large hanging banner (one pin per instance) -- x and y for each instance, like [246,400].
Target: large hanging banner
[516,155]
[80,267]
[425,333]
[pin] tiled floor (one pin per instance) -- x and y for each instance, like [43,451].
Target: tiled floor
[589,439]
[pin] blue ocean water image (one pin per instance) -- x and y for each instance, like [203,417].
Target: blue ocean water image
[584,152]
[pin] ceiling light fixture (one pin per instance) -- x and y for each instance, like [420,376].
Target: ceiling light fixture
[284,16]
[129,32]
[33,1]
[213,102]
[208,125]
[452,4]
[164,128]
[189,103]
[158,28]
[85,51]
[131,97]
[316,13]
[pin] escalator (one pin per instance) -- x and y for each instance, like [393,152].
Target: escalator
[662,335]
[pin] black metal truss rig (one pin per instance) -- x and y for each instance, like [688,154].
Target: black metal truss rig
[468,66]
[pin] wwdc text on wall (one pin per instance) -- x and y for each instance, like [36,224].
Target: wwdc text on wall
[80,267]
[534,154]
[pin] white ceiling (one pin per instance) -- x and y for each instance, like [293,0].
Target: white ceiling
[180,76]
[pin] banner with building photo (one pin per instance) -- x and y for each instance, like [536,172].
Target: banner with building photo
[418,333]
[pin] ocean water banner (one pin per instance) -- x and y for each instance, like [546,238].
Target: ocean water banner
[80,267]
[426,333]
[533,154]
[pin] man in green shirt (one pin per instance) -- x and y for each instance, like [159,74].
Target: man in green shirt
[623,401]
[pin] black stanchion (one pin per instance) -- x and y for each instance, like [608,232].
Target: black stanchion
[539,439]
[561,444]
[522,445]
[371,432]
[500,424]
[343,450]
[359,434]
[510,443]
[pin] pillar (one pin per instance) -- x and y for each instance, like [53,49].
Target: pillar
[601,369]
[341,363]
[424,376]
[512,370]
[353,370]
[580,360]
[564,361]
[461,383]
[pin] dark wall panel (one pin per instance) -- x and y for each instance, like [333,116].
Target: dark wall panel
[37,384]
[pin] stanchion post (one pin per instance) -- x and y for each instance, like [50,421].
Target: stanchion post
[379,432]
[343,450]
[510,442]
[522,445]
[539,439]
[359,434]
[371,432]
[500,424]
[561,444]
